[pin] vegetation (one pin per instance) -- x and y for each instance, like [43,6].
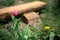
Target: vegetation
[48,30]
[7,2]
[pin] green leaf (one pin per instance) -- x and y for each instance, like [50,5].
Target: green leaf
[52,36]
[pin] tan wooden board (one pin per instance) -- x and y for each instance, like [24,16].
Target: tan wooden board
[23,7]
[31,18]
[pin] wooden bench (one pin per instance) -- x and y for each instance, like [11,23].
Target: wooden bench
[26,9]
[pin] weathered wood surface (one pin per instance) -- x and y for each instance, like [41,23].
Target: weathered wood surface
[23,8]
[31,18]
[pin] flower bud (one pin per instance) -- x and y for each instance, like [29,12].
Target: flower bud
[15,13]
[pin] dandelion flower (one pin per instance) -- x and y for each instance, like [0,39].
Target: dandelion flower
[47,28]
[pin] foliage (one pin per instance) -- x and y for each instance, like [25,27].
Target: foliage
[24,34]
[7,2]
[52,36]
[51,19]
[5,36]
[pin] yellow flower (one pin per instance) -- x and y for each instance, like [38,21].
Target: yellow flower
[47,28]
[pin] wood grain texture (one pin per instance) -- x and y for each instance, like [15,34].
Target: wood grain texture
[23,8]
[31,18]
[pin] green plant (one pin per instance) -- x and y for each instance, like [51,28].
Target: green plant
[4,35]
[52,35]
[46,32]
[24,34]
[15,27]
[51,18]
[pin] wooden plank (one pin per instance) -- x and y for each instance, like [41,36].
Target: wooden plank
[31,18]
[23,8]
